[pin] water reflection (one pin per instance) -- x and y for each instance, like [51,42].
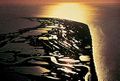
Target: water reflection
[72,11]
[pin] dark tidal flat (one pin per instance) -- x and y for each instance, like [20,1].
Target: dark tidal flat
[56,50]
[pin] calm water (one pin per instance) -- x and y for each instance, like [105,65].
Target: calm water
[104,24]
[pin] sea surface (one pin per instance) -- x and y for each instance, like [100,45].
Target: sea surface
[103,21]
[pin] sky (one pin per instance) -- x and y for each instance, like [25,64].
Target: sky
[32,2]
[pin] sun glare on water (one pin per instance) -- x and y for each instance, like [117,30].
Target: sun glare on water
[72,11]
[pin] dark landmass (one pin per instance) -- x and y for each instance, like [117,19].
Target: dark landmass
[55,50]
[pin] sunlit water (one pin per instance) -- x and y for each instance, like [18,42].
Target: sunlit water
[103,21]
